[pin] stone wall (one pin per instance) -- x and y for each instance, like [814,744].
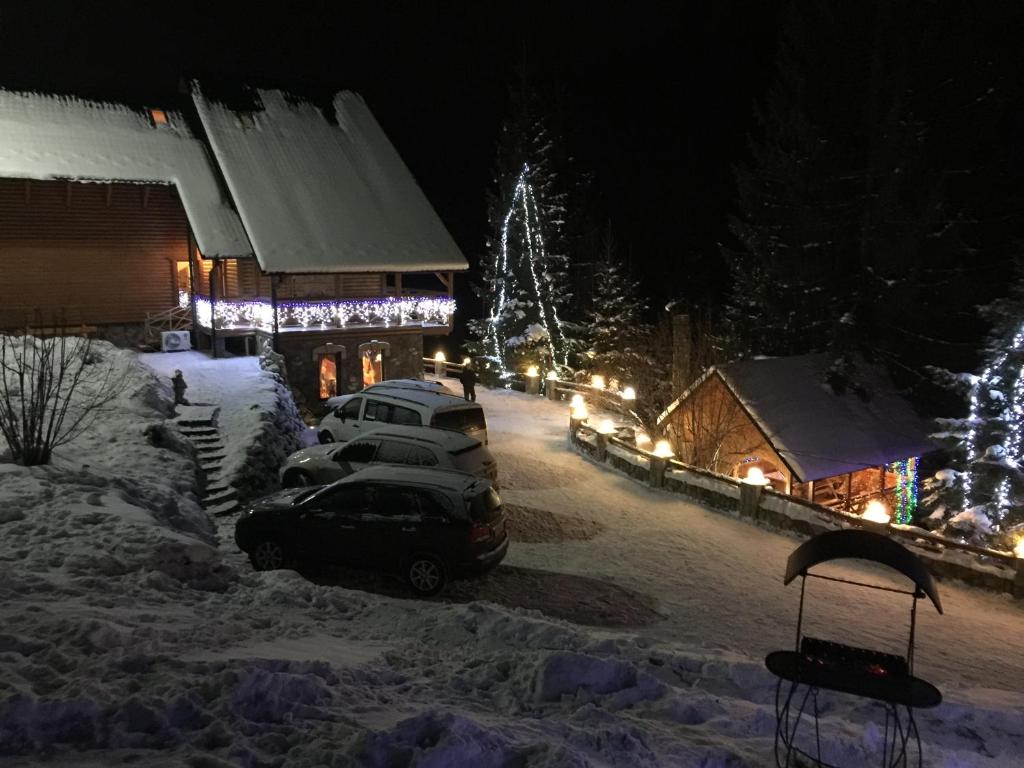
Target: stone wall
[404,359]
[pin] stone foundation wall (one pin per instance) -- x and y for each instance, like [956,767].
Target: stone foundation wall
[403,360]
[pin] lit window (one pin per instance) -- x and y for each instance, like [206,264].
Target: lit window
[159,117]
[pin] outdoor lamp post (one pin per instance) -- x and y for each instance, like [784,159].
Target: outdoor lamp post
[532,380]
[1018,579]
[750,491]
[658,462]
[439,366]
[597,382]
[876,516]
[605,428]
[549,387]
[629,394]
[577,415]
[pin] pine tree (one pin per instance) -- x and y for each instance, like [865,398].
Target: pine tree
[992,483]
[869,203]
[615,324]
[525,275]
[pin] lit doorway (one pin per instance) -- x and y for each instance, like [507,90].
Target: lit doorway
[373,366]
[371,361]
[328,376]
[182,277]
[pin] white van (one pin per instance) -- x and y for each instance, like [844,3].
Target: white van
[355,415]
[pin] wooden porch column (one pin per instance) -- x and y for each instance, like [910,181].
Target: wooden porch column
[273,311]
[881,479]
[192,284]
[214,277]
[810,490]
[451,283]
[849,487]
[398,284]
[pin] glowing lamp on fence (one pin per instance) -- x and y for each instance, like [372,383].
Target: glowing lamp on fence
[577,401]
[439,357]
[552,376]
[597,382]
[607,427]
[580,412]
[1019,549]
[629,394]
[877,512]
[663,450]
[642,438]
[466,361]
[532,372]
[755,477]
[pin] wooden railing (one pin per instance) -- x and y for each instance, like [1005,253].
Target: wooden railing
[174,319]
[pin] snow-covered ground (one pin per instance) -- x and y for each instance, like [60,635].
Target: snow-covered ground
[126,637]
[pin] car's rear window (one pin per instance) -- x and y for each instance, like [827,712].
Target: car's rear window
[460,419]
[486,506]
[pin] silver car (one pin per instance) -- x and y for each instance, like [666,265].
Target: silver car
[391,444]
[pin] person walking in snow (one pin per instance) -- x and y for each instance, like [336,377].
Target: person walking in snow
[179,385]
[468,379]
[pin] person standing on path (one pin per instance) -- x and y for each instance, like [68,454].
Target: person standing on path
[468,379]
[179,385]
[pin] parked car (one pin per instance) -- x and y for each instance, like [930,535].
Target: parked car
[358,413]
[425,385]
[389,444]
[428,525]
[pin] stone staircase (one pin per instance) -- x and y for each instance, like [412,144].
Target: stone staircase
[198,424]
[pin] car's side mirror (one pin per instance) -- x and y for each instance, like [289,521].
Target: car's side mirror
[340,413]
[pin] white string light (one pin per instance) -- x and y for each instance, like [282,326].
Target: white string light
[292,315]
[523,196]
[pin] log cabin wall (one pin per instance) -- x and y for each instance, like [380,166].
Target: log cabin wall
[712,431]
[96,253]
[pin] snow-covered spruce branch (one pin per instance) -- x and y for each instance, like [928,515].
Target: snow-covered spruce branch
[52,389]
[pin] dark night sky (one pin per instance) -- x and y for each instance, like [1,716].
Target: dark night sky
[659,96]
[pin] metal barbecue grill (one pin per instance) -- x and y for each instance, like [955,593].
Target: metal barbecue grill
[817,665]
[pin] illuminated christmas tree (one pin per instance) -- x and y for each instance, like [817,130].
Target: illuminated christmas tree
[525,287]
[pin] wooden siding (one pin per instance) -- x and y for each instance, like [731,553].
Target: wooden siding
[94,253]
[712,431]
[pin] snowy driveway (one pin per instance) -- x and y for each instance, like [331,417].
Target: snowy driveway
[716,580]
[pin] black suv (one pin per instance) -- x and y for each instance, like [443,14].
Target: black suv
[429,525]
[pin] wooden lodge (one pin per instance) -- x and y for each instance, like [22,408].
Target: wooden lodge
[278,227]
[839,449]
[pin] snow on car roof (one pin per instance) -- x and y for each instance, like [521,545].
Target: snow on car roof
[54,137]
[450,479]
[429,398]
[317,196]
[449,440]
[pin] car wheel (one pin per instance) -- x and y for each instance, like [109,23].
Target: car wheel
[297,479]
[326,437]
[426,575]
[268,555]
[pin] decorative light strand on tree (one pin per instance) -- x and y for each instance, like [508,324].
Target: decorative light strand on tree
[1013,412]
[906,489]
[523,197]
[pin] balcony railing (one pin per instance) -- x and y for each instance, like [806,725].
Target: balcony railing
[322,314]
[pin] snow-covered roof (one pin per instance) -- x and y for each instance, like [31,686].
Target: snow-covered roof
[817,432]
[319,197]
[51,137]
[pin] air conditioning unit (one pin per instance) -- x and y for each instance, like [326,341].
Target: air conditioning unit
[175,341]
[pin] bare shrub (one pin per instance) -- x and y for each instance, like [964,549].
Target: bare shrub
[52,389]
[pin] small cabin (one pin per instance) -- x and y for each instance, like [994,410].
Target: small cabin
[836,448]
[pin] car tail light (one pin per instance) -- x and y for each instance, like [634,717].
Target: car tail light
[479,532]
